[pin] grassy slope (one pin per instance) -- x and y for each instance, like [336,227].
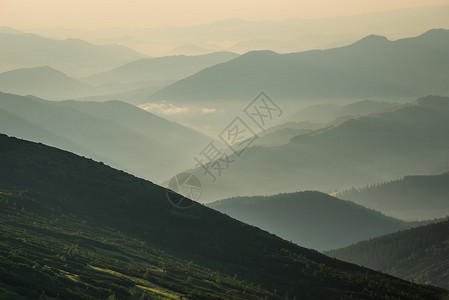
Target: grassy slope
[63,216]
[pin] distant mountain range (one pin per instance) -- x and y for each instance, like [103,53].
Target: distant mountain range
[310,219]
[51,84]
[372,68]
[131,82]
[134,93]
[43,82]
[114,132]
[420,254]
[9,30]
[410,198]
[283,133]
[160,68]
[75,228]
[314,117]
[408,139]
[283,36]
[324,113]
[72,56]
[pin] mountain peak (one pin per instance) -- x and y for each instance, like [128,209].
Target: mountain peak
[371,40]
[9,30]
[435,32]
[37,69]
[40,70]
[260,52]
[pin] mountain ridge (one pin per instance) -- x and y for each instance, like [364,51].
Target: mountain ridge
[318,74]
[311,219]
[412,197]
[160,68]
[418,254]
[102,130]
[72,56]
[407,139]
[43,81]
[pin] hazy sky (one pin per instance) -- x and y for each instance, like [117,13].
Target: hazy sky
[151,13]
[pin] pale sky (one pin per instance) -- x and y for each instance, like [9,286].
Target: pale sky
[91,14]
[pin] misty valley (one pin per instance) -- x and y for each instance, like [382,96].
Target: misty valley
[265,158]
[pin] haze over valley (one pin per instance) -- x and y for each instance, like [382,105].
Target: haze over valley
[212,149]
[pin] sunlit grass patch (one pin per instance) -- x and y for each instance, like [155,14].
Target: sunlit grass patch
[164,294]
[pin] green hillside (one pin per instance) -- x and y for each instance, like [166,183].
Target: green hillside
[73,228]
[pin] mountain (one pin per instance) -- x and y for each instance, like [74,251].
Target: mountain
[324,113]
[18,126]
[43,82]
[408,139]
[114,132]
[74,228]
[283,133]
[372,68]
[72,56]
[314,117]
[283,36]
[160,68]
[9,30]
[419,254]
[410,198]
[127,93]
[310,219]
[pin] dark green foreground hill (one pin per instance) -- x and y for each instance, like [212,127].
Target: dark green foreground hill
[72,228]
[419,254]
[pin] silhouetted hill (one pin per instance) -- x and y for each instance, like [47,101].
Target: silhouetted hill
[75,228]
[372,68]
[410,198]
[409,139]
[310,219]
[419,254]
[72,56]
[43,82]
[160,68]
[114,132]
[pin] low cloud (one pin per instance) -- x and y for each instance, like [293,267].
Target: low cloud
[164,108]
[206,110]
